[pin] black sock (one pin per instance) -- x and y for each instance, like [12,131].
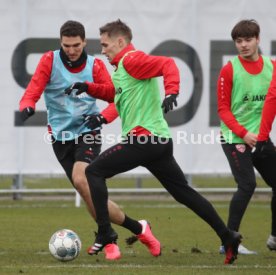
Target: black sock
[132,225]
[273,211]
[225,236]
[104,229]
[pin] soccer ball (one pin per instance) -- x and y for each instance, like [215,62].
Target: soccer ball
[65,245]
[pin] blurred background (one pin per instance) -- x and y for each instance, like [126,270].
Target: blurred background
[196,33]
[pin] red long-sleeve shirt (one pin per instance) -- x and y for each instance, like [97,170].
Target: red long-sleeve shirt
[224,92]
[269,110]
[42,76]
[142,66]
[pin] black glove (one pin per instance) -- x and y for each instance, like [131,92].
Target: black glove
[81,87]
[168,103]
[26,113]
[264,149]
[94,121]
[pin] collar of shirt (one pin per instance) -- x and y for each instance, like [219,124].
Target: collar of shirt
[76,69]
[252,67]
[120,55]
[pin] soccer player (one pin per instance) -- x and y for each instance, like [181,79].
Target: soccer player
[242,86]
[75,143]
[147,141]
[264,156]
[269,112]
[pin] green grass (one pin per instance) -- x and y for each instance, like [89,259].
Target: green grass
[148,182]
[26,227]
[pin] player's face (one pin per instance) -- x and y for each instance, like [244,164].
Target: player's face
[248,47]
[73,46]
[111,46]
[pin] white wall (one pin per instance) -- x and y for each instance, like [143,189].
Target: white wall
[194,22]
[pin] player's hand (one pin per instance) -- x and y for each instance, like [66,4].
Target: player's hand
[263,149]
[26,113]
[169,102]
[80,87]
[250,139]
[94,121]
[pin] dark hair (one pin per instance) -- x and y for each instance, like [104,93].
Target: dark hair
[72,28]
[116,28]
[246,28]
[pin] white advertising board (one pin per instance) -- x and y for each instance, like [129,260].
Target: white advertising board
[196,33]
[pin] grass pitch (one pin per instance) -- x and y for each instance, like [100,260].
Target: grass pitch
[189,244]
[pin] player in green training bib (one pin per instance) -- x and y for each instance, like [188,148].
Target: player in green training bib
[147,139]
[242,87]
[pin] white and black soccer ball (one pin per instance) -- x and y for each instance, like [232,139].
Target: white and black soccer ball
[65,245]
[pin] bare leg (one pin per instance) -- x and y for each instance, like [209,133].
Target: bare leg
[116,215]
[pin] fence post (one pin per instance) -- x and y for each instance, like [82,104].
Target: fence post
[138,182]
[17,184]
[78,199]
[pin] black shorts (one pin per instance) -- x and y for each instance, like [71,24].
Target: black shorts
[85,148]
